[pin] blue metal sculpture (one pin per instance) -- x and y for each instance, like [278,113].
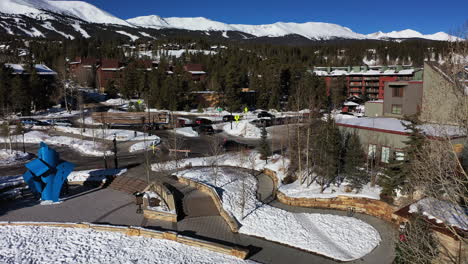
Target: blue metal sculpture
[47,173]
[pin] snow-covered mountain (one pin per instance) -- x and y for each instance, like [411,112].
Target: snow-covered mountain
[310,30]
[409,33]
[42,18]
[77,9]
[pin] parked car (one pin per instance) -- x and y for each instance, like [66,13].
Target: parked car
[265,114]
[228,118]
[55,122]
[33,122]
[203,121]
[262,121]
[205,129]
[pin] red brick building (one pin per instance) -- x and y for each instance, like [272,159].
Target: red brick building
[367,81]
[196,71]
[83,70]
[109,70]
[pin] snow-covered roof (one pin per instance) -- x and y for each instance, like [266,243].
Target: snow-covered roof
[41,69]
[393,125]
[441,212]
[197,72]
[350,104]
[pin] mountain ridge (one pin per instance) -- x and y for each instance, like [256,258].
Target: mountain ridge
[80,12]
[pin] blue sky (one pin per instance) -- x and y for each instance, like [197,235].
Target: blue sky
[362,16]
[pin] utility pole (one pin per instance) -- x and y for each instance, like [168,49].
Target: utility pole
[116,164]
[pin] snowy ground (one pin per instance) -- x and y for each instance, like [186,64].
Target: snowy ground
[278,164]
[108,134]
[8,158]
[144,145]
[338,237]
[186,132]
[83,146]
[243,129]
[29,244]
[96,175]
[297,190]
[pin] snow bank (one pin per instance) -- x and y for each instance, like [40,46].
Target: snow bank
[143,145]
[29,137]
[186,132]
[13,157]
[84,146]
[40,244]
[108,134]
[162,205]
[243,129]
[297,190]
[442,212]
[338,237]
[9,181]
[96,175]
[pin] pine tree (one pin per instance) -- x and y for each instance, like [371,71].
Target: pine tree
[264,147]
[328,148]
[354,162]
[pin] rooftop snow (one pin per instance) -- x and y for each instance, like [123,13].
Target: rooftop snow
[395,125]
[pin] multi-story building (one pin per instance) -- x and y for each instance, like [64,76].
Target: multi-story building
[368,81]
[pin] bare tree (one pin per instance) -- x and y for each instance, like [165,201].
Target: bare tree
[216,150]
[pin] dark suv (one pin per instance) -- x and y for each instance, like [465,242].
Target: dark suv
[203,121]
[265,114]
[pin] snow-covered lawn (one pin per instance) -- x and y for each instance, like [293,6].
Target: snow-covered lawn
[14,157]
[95,175]
[186,131]
[83,146]
[30,244]
[108,134]
[338,237]
[297,190]
[243,129]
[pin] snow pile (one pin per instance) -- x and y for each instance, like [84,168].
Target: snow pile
[186,132]
[441,212]
[13,157]
[243,129]
[10,181]
[338,237]
[84,146]
[144,145]
[297,190]
[29,137]
[96,175]
[40,244]
[116,102]
[108,134]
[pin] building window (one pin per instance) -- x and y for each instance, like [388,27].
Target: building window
[396,109]
[385,154]
[372,151]
[400,156]
[397,92]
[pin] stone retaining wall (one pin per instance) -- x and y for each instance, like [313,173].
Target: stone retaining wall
[231,221]
[241,253]
[367,206]
[167,198]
